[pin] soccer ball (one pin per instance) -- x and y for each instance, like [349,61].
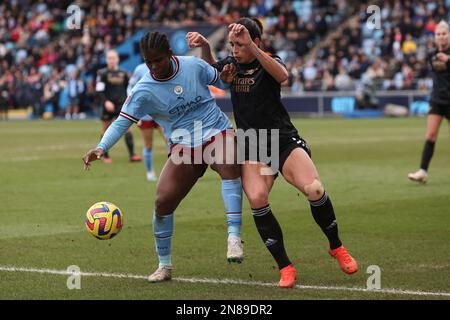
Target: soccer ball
[104,220]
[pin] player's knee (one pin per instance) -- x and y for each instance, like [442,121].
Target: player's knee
[227,171]
[231,172]
[149,144]
[257,198]
[163,205]
[431,136]
[314,191]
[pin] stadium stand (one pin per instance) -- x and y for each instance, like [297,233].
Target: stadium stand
[325,44]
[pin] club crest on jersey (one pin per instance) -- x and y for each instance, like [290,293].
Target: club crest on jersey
[178,90]
[250,72]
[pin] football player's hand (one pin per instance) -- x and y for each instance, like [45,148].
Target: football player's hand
[196,40]
[239,34]
[92,155]
[109,106]
[228,73]
[442,57]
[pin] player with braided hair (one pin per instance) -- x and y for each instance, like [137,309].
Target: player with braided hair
[175,94]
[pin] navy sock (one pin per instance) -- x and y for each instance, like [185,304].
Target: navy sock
[129,142]
[323,213]
[427,154]
[271,235]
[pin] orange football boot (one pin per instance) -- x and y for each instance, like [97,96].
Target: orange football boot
[346,262]
[135,158]
[288,277]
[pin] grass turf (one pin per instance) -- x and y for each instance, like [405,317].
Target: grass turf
[383,218]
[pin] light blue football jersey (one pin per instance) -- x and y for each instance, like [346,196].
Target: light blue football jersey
[182,104]
[139,72]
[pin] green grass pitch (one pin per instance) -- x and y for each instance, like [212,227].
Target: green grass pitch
[384,219]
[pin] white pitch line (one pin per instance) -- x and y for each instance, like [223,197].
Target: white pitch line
[223,281]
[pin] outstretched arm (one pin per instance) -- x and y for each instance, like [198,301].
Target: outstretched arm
[115,131]
[196,40]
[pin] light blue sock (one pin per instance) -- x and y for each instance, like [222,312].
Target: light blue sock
[234,222]
[232,198]
[163,232]
[147,154]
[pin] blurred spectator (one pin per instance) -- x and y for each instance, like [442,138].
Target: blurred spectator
[37,49]
[52,90]
[4,99]
[365,97]
[88,101]
[375,71]
[75,90]
[343,81]
[409,46]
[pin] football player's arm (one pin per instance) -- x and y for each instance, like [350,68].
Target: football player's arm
[448,62]
[114,132]
[100,87]
[277,70]
[132,110]
[196,40]
[211,76]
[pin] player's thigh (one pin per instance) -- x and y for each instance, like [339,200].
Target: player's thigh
[221,149]
[222,155]
[256,184]
[147,134]
[433,124]
[174,183]
[227,171]
[299,170]
[161,131]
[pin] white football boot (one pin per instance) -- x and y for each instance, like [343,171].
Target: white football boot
[151,176]
[235,252]
[420,176]
[163,273]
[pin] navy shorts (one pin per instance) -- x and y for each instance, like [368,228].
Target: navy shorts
[285,146]
[440,109]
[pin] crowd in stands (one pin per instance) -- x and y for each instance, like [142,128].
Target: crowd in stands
[46,66]
[393,57]
[45,62]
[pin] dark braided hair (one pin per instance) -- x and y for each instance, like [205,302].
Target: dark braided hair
[154,40]
[253,25]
